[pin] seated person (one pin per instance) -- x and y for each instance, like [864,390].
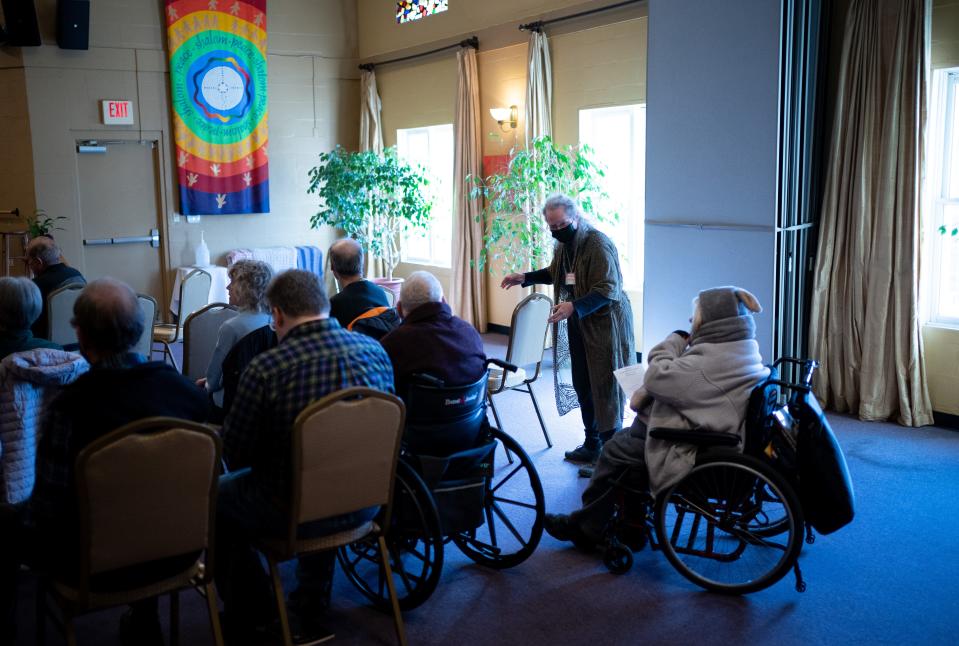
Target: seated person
[356,294]
[121,387]
[700,381]
[49,273]
[20,305]
[430,340]
[315,357]
[247,288]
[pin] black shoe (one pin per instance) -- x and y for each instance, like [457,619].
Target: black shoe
[137,630]
[586,453]
[585,472]
[559,527]
[307,629]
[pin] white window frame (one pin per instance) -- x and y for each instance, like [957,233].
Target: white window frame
[941,157]
[632,250]
[434,258]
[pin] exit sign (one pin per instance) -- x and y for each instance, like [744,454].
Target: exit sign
[117,113]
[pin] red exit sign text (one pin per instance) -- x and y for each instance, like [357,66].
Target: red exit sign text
[117,112]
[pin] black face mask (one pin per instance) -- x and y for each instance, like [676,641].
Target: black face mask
[566,234]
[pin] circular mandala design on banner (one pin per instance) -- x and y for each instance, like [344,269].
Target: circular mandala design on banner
[221,87]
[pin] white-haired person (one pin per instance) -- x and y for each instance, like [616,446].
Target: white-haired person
[430,339]
[698,380]
[247,288]
[598,329]
[20,306]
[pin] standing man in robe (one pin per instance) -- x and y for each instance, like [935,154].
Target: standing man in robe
[593,322]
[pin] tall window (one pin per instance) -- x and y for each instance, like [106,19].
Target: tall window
[432,148]
[617,136]
[942,199]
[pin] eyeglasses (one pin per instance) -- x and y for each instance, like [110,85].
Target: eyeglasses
[557,227]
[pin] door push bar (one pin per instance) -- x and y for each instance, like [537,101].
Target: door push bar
[153,240]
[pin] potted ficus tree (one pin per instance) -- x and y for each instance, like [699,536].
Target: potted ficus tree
[516,233]
[373,198]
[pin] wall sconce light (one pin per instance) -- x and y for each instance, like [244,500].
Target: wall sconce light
[505,116]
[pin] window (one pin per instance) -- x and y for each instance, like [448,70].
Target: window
[408,10]
[941,200]
[432,148]
[617,136]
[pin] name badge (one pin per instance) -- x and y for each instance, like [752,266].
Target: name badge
[571,278]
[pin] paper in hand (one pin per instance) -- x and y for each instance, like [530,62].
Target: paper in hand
[630,378]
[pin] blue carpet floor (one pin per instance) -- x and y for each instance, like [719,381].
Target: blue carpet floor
[891,577]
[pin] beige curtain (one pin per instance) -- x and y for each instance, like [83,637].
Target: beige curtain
[371,138]
[468,297]
[865,326]
[539,88]
[371,128]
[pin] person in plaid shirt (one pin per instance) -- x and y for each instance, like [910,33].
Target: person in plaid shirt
[314,358]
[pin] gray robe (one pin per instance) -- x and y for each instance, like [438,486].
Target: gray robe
[607,333]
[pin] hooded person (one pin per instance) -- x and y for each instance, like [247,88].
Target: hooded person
[700,380]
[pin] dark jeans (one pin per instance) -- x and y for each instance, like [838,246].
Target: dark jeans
[579,366]
[623,459]
[246,512]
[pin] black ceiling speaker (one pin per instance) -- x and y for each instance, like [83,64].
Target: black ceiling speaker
[20,28]
[73,24]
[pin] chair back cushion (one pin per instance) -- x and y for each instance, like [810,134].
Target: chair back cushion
[147,496]
[200,331]
[60,310]
[148,305]
[344,454]
[194,292]
[528,330]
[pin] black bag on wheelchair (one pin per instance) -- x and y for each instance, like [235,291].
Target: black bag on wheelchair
[458,485]
[825,488]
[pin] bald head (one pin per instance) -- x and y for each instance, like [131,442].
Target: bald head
[420,288]
[108,318]
[346,258]
[43,250]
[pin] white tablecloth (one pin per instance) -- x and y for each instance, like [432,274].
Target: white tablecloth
[217,286]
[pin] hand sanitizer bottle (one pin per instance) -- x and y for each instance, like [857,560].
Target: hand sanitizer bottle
[201,253]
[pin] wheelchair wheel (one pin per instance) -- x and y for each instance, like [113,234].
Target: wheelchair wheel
[415,544]
[732,525]
[514,510]
[618,559]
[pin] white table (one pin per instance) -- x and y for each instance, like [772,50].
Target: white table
[217,285]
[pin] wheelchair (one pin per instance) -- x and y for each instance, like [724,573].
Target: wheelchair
[735,523]
[481,493]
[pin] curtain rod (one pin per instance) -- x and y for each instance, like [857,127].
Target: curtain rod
[539,24]
[472,41]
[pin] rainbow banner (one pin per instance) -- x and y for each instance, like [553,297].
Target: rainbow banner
[218,79]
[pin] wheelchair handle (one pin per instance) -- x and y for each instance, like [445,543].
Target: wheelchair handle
[427,380]
[502,364]
[808,367]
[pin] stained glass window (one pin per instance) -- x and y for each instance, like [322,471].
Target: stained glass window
[407,10]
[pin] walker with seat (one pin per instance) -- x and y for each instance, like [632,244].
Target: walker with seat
[735,523]
[456,481]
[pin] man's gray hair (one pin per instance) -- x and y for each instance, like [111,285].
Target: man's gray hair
[346,257]
[20,303]
[420,288]
[571,206]
[44,249]
[109,317]
[296,293]
[248,282]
